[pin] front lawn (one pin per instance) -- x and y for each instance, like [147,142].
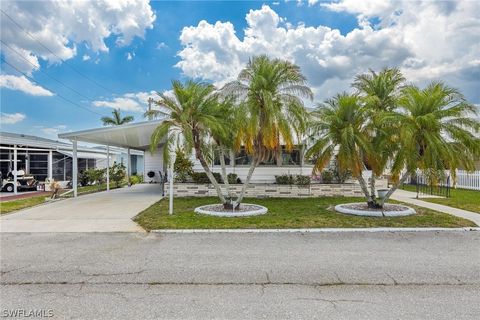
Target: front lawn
[9,206]
[285,213]
[459,198]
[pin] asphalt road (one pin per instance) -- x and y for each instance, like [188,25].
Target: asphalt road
[427,275]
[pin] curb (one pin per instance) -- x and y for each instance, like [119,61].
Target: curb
[315,230]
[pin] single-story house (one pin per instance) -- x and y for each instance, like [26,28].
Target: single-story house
[136,136]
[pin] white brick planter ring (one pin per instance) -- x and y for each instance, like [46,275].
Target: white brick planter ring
[245,211]
[388,211]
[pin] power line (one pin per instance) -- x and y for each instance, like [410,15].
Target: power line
[48,49]
[60,96]
[63,84]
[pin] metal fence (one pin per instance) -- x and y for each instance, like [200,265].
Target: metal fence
[422,185]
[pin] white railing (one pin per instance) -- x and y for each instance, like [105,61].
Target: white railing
[468,180]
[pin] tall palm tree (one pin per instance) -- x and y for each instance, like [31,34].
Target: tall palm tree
[270,93]
[116,119]
[194,117]
[339,127]
[436,132]
[379,93]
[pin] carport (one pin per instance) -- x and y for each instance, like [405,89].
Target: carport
[134,136]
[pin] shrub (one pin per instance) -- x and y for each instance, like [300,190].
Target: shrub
[135,179]
[117,173]
[202,178]
[183,167]
[285,179]
[327,176]
[83,178]
[340,176]
[233,178]
[302,180]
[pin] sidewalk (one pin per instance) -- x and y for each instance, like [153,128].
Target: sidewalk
[410,197]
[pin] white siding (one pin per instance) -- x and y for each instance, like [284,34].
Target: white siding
[262,174]
[154,162]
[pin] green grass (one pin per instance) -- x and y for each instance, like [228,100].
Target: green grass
[459,198]
[10,206]
[285,213]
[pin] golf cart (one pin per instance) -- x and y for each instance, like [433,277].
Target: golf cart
[24,182]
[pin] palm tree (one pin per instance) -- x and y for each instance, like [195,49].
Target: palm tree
[117,119]
[269,92]
[194,117]
[435,128]
[339,127]
[379,93]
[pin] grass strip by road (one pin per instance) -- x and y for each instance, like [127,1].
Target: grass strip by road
[14,205]
[286,213]
[459,198]
[10,206]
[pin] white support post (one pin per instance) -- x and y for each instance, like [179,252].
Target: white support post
[170,181]
[129,166]
[108,168]
[75,168]
[50,165]
[15,169]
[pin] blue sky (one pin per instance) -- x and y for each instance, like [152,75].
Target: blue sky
[330,41]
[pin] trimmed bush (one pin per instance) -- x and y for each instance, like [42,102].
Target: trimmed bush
[302,180]
[327,176]
[285,179]
[202,178]
[233,178]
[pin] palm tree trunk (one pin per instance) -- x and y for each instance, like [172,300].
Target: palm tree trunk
[253,165]
[363,186]
[224,171]
[210,176]
[394,188]
[372,202]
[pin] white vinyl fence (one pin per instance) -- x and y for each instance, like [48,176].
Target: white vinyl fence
[468,180]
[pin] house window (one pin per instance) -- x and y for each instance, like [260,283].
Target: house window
[226,156]
[242,158]
[292,158]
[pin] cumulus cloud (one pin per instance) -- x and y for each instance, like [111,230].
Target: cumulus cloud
[11,118]
[86,57]
[21,83]
[427,40]
[132,102]
[53,131]
[61,25]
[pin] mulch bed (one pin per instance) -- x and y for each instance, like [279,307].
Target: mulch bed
[24,195]
[386,207]
[243,208]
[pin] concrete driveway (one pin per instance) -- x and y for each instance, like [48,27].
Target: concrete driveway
[110,211]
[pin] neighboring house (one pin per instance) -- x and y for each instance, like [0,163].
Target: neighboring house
[45,158]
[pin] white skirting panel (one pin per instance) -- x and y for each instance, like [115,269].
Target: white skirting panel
[154,162]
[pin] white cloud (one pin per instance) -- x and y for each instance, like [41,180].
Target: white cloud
[62,25]
[11,118]
[86,57]
[53,131]
[161,45]
[130,55]
[427,40]
[133,102]
[21,83]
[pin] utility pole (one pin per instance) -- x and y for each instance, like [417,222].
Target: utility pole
[150,115]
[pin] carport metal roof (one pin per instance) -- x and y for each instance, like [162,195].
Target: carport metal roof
[133,135]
